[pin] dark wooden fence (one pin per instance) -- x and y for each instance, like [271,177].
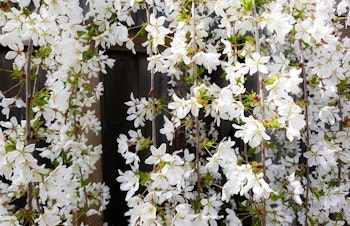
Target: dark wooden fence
[128,75]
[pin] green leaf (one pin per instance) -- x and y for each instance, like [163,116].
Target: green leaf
[251,151]
[196,205]
[88,54]
[33,77]
[311,221]
[10,147]
[183,16]
[274,123]
[207,144]
[67,159]
[190,79]
[248,5]
[37,123]
[44,51]
[144,144]
[40,98]
[142,31]
[275,197]
[87,88]
[85,182]
[144,177]
[200,70]
[314,80]
[343,84]
[207,180]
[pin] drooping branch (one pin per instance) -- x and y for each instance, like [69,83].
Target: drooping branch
[151,92]
[195,75]
[262,105]
[307,130]
[28,97]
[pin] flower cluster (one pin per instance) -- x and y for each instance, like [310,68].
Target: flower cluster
[284,93]
[47,157]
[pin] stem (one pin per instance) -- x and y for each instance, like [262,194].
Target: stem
[75,218]
[196,120]
[28,106]
[151,92]
[307,131]
[262,97]
[36,79]
[245,147]
[341,124]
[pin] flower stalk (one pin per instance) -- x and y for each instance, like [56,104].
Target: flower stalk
[28,93]
[261,84]
[196,120]
[307,131]
[152,88]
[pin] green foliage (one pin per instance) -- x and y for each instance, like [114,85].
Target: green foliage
[314,80]
[144,177]
[18,75]
[311,221]
[66,158]
[274,123]
[25,216]
[190,79]
[88,54]
[248,5]
[44,51]
[207,180]
[40,98]
[144,144]
[196,205]
[208,144]
[251,151]
[274,197]
[10,147]
[204,98]
[318,193]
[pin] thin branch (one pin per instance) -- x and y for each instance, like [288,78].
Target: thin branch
[341,125]
[245,146]
[151,92]
[307,131]
[36,79]
[28,106]
[262,97]
[195,75]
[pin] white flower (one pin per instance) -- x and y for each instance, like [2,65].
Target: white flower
[180,106]
[304,29]
[169,129]
[329,114]
[48,219]
[129,182]
[295,188]
[17,53]
[232,218]
[211,206]
[9,221]
[195,106]
[209,60]
[158,154]
[257,63]
[252,132]
[156,30]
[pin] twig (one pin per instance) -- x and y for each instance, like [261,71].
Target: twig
[341,125]
[28,106]
[262,97]
[196,120]
[307,131]
[151,92]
